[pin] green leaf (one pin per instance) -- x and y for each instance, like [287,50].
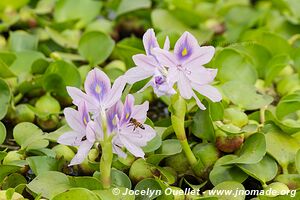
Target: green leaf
[202,124]
[145,184]
[77,194]
[169,147]
[288,104]
[12,4]
[153,144]
[2,133]
[84,11]
[5,71]
[6,170]
[13,180]
[96,47]
[273,42]
[120,179]
[41,164]
[297,161]
[86,182]
[23,62]
[126,6]
[21,40]
[112,195]
[55,79]
[29,136]
[233,65]
[252,151]
[263,171]
[5,97]
[49,184]
[275,65]
[227,186]
[67,38]
[236,91]
[281,146]
[221,173]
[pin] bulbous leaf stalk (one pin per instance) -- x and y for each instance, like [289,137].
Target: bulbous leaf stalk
[178,110]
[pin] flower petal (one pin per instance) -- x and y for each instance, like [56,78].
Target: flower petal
[97,84]
[115,93]
[185,46]
[148,63]
[167,44]
[91,131]
[209,91]
[82,153]
[184,86]
[139,112]
[201,75]
[71,138]
[83,113]
[138,136]
[133,149]
[200,105]
[79,96]
[165,58]
[136,74]
[128,106]
[112,113]
[149,41]
[200,56]
[74,120]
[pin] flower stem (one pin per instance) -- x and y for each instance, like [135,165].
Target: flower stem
[105,163]
[107,155]
[178,110]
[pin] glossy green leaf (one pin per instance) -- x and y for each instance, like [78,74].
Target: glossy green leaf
[227,186]
[49,184]
[84,11]
[264,171]
[114,194]
[95,47]
[169,147]
[67,38]
[5,170]
[281,146]
[29,136]
[252,151]
[233,65]
[288,104]
[21,40]
[13,180]
[236,90]
[41,164]
[86,182]
[5,71]
[77,194]
[150,183]
[126,6]
[202,125]
[2,133]
[5,97]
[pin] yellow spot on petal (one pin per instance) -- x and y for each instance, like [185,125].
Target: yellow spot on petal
[127,115]
[98,89]
[85,121]
[184,52]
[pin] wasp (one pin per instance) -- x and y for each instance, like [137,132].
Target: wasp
[136,124]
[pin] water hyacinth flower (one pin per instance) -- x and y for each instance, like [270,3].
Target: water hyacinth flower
[185,66]
[149,66]
[99,95]
[82,134]
[127,122]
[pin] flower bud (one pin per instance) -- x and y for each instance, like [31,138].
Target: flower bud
[48,123]
[178,162]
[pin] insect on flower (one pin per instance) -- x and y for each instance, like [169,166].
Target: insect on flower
[136,124]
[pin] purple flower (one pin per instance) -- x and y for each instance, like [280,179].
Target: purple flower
[82,134]
[185,68]
[99,93]
[127,121]
[149,66]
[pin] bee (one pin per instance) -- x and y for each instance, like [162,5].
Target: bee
[136,124]
[83,139]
